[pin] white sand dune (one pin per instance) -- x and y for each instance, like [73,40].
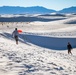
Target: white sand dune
[42,48]
[68,20]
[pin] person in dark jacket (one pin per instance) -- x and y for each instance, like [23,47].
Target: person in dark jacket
[69,47]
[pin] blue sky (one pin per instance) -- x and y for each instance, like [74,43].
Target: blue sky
[50,4]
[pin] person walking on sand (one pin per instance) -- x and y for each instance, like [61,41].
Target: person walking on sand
[15,35]
[69,47]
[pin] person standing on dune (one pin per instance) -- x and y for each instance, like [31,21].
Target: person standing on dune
[15,35]
[69,47]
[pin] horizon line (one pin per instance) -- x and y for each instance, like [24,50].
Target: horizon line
[34,6]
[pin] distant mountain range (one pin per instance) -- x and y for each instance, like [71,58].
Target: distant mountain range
[68,10]
[33,10]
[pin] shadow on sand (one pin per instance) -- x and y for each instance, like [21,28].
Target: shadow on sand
[55,43]
[28,19]
[10,37]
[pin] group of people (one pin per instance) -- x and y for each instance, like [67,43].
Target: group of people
[15,35]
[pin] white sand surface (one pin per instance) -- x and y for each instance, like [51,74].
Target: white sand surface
[42,48]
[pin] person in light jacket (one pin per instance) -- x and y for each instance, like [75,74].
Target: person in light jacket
[15,35]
